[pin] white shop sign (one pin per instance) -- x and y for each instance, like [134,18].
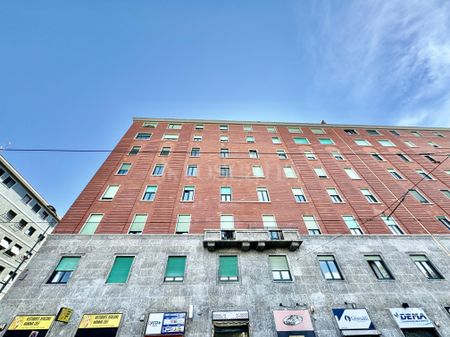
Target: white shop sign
[411,318]
[230,315]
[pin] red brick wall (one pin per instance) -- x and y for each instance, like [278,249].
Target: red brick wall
[413,217]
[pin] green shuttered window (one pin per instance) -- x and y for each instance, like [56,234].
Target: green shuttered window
[138,224]
[120,269]
[176,266]
[91,224]
[228,269]
[68,264]
[64,270]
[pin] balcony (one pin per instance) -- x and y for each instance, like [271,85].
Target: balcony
[246,239]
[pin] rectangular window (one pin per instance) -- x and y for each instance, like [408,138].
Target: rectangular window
[263,194]
[269,221]
[224,171]
[195,152]
[64,270]
[36,208]
[299,196]
[143,136]
[176,266]
[294,130]
[337,155]
[171,137]
[183,224]
[352,225]
[124,169]
[253,154]
[446,193]
[416,194]
[438,134]
[395,132]
[248,128]
[373,132]
[188,193]
[386,143]
[224,153]
[395,174]
[22,224]
[138,224]
[404,157]
[377,157]
[120,270]
[280,268]
[369,196]
[134,150]
[223,127]
[289,172]
[276,140]
[320,172]
[424,175]
[444,220]
[311,225]
[271,129]
[350,132]
[150,193]
[9,182]
[257,171]
[392,225]
[329,268]
[416,133]
[227,222]
[433,144]
[91,224]
[165,151]
[191,171]
[351,173]
[26,199]
[281,154]
[228,269]
[378,267]
[326,141]
[197,138]
[44,215]
[250,139]
[426,267]
[110,192]
[199,127]
[334,196]
[430,158]
[310,155]
[174,126]
[225,194]
[30,230]
[301,140]
[10,215]
[410,144]
[318,131]
[223,139]
[362,142]
[2,171]
[150,125]
[158,170]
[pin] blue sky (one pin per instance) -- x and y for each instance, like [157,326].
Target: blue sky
[74,73]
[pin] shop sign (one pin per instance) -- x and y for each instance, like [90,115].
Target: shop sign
[411,318]
[64,315]
[353,319]
[230,315]
[31,323]
[166,323]
[100,321]
[289,323]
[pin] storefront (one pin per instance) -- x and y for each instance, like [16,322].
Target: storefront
[99,325]
[354,322]
[167,324]
[289,323]
[230,323]
[30,326]
[414,322]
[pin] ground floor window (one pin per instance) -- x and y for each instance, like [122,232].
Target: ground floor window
[420,333]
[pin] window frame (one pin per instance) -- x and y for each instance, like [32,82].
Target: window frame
[329,257]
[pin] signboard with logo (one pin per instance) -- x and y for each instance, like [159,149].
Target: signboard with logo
[99,325]
[166,323]
[241,315]
[293,323]
[354,322]
[407,318]
[64,315]
[30,326]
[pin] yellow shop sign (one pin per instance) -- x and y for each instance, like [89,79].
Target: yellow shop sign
[31,323]
[99,321]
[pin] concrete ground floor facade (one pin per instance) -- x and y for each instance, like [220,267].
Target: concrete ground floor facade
[253,298]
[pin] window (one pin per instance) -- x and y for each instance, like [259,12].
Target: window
[326,141]
[134,150]
[318,131]
[426,267]
[373,132]
[299,196]
[280,268]
[271,129]
[26,199]
[174,126]
[228,269]
[351,173]
[395,174]
[14,251]
[225,194]
[410,144]
[143,136]
[294,130]
[362,142]
[248,128]
[310,155]
[171,137]
[36,208]
[392,225]
[2,171]
[311,225]
[416,194]
[257,171]
[424,175]
[183,224]
[120,270]
[276,140]
[416,133]
[269,221]
[64,270]
[378,267]
[224,171]
[369,196]
[446,193]
[176,266]
[334,196]
[10,215]
[377,157]
[301,140]
[281,154]
[195,152]
[263,194]
[22,224]
[352,225]
[197,138]
[188,193]
[404,157]
[158,170]
[165,151]
[124,169]
[191,171]
[337,155]
[223,139]
[350,132]
[224,153]
[444,220]
[289,172]
[433,144]
[430,158]
[386,143]
[9,182]
[91,224]
[227,222]
[150,193]
[320,172]
[253,154]
[438,134]
[250,139]
[138,224]
[394,132]
[44,215]
[150,125]
[110,192]
[199,127]
[329,268]
[223,127]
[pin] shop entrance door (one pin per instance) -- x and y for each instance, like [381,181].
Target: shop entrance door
[420,333]
[229,330]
